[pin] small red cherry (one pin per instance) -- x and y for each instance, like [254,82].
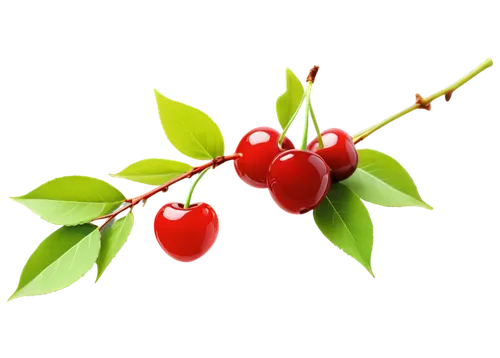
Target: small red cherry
[298,180]
[259,147]
[186,234]
[339,153]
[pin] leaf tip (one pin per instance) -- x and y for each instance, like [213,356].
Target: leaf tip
[97,281]
[431,207]
[113,174]
[12,297]
[155,91]
[372,274]
[427,206]
[369,268]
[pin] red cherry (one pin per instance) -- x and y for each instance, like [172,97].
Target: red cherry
[259,147]
[298,180]
[339,153]
[186,234]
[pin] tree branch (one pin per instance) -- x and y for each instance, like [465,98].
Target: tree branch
[214,163]
[425,103]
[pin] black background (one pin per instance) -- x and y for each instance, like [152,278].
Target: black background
[92,112]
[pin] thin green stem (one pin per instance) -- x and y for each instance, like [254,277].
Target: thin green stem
[483,66]
[318,132]
[306,123]
[362,135]
[282,136]
[425,102]
[188,199]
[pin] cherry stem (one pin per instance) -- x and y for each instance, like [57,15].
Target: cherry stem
[425,103]
[164,187]
[282,136]
[190,194]
[318,132]
[306,123]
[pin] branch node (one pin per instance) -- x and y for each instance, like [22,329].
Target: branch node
[449,96]
[218,161]
[164,190]
[313,72]
[418,98]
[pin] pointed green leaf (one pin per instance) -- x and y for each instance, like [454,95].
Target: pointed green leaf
[153,171]
[381,180]
[72,200]
[60,260]
[189,130]
[343,219]
[113,239]
[287,103]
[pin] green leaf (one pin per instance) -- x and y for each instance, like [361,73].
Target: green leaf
[153,171]
[72,200]
[60,260]
[190,130]
[288,102]
[343,219]
[113,239]
[381,180]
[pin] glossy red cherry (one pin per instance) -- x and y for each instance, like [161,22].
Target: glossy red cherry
[186,234]
[259,147]
[338,152]
[298,180]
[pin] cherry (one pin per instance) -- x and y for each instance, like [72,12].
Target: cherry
[186,234]
[298,180]
[259,147]
[338,152]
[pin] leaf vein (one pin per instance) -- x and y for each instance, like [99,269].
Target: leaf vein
[195,139]
[341,219]
[380,180]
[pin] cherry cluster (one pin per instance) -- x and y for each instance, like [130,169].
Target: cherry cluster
[298,180]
